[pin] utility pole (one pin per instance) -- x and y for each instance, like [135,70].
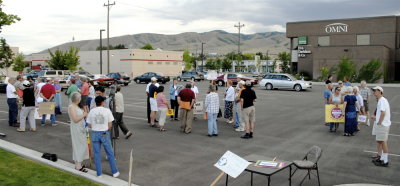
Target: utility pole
[101,51]
[108,5]
[239,26]
[202,57]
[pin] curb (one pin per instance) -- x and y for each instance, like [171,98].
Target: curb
[61,164]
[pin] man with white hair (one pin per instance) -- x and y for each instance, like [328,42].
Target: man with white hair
[239,124]
[12,103]
[366,95]
[153,102]
[381,127]
[148,99]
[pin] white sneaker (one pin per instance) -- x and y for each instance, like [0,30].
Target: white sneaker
[116,175]
[100,176]
[239,130]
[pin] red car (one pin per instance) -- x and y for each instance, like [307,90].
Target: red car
[103,80]
[234,78]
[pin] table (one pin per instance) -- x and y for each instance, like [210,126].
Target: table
[253,158]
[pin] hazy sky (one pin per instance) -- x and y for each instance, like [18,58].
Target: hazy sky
[46,23]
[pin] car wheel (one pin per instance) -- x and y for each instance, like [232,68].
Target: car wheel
[179,79]
[138,81]
[126,84]
[297,88]
[163,82]
[220,83]
[268,86]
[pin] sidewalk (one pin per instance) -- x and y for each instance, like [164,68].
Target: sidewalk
[60,164]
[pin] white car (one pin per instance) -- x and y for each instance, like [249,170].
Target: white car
[283,81]
[65,82]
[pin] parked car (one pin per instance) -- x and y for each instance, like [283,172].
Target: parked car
[65,82]
[145,78]
[283,81]
[120,78]
[194,76]
[33,74]
[85,73]
[3,87]
[234,78]
[61,74]
[103,80]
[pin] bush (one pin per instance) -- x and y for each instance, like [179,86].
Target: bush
[370,71]
[346,68]
[324,73]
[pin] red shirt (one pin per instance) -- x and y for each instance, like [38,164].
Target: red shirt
[48,90]
[85,89]
[186,95]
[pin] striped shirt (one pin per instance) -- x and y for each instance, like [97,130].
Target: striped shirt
[212,103]
[365,92]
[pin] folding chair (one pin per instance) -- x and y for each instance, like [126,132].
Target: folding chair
[309,163]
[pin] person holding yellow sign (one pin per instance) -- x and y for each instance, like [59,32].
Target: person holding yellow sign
[335,99]
[163,107]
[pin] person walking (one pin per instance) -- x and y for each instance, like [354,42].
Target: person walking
[28,108]
[58,97]
[92,93]
[381,127]
[247,99]
[163,107]
[12,103]
[47,92]
[85,94]
[211,108]
[173,97]
[153,102]
[71,89]
[366,95]
[350,104]
[119,115]
[77,116]
[239,124]
[229,101]
[186,100]
[100,121]
[335,99]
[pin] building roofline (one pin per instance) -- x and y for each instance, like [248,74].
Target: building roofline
[358,18]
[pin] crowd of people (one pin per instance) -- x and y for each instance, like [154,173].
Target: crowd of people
[356,102]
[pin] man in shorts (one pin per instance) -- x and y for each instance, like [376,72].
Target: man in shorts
[247,99]
[381,127]
[153,101]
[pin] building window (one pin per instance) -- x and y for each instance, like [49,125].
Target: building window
[159,63]
[167,63]
[363,39]
[324,41]
[150,62]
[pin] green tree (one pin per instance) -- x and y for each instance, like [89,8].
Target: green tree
[324,73]
[57,60]
[147,47]
[370,72]
[72,58]
[218,64]
[7,19]
[226,64]
[346,68]
[6,54]
[187,59]
[64,61]
[19,64]
[284,57]
[248,56]
[210,64]
[120,46]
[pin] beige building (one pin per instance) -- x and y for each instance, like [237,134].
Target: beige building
[134,62]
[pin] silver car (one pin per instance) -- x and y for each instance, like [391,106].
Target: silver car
[283,81]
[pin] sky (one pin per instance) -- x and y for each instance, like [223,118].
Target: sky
[46,23]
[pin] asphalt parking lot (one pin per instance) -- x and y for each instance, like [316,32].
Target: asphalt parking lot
[288,123]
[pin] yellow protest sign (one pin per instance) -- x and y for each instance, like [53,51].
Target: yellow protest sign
[334,113]
[170,112]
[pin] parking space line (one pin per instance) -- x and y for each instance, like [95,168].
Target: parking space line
[144,119]
[398,122]
[130,105]
[394,135]
[397,155]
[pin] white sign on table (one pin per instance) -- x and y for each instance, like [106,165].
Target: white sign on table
[198,108]
[232,164]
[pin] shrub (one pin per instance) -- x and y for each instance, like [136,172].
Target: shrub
[346,68]
[324,73]
[370,71]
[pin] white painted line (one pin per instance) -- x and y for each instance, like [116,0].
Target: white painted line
[398,155]
[135,106]
[144,119]
[396,122]
[394,135]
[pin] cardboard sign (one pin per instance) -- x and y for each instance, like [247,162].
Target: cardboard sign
[334,114]
[37,116]
[198,108]
[232,164]
[46,108]
[362,119]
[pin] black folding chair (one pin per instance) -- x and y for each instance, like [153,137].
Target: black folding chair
[309,163]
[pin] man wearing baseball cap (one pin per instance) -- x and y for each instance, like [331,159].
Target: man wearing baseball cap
[381,127]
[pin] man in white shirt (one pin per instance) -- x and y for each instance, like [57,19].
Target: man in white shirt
[100,121]
[381,127]
[12,103]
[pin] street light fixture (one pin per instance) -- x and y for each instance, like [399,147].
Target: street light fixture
[101,51]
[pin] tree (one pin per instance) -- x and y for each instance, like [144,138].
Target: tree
[147,47]
[57,61]
[210,64]
[120,46]
[6,54]
[64,61]
[370,72]
[71,58]
[218,64]
[19,64]
[187,59]
[284,57]
[7,19]
[346,68]
[248,56]
[226,64]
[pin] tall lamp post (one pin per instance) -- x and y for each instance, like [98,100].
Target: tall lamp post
[202,57]
[101,51]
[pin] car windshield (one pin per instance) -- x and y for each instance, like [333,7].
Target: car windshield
[160,74]
[291,77]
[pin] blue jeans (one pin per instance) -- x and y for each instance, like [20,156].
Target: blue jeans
[89,100]
[12,111]
[103,138]
[212,123]
[52,118]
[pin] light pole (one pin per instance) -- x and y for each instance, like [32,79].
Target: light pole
[108,5]
[202,57]
[101,51]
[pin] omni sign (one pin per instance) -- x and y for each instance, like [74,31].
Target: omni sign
[336,28]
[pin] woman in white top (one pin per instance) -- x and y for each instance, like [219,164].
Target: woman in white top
[229,100]
[78,132]
[335,99]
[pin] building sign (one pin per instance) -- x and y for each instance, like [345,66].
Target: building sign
[302,40]
[302,52]
[336,28]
